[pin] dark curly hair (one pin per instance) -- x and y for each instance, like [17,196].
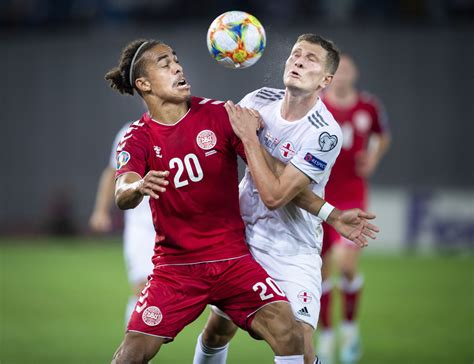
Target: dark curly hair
[119,77]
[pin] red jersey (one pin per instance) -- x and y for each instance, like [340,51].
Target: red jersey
[198,218]
[357,122]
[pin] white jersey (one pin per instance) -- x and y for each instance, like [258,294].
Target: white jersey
[139,232]
[312,145]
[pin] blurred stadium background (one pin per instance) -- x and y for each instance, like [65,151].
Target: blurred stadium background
[62,291]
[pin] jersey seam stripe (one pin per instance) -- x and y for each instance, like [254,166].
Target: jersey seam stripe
[205,261]
[321,118]
[306,174]
[320,121]
[317,120]
[146,333]
[312,122]
[269,92]
[268,98]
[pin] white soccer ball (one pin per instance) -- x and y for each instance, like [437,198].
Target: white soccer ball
[236,39]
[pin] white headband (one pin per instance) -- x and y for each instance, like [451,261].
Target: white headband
[133,63]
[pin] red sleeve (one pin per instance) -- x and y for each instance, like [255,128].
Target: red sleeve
[132,152]
[380,119]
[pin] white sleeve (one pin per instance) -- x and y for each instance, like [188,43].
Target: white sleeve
[248,100]
[118,137]
[318,153]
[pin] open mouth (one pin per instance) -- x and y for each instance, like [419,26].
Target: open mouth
[182,83]
[295,74]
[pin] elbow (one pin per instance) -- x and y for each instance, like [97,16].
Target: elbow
[272,203]
[121,202]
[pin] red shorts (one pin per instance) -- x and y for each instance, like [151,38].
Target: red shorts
[176,295]
[331,236]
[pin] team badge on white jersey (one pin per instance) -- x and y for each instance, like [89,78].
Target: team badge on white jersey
[287,150]
[305,297]
[206,139]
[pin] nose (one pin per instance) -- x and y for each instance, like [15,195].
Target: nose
[178,68]
[298,63]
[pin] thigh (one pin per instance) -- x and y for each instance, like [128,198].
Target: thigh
[243,288]
[173,297]
[300,278]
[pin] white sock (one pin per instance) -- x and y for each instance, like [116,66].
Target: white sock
[206,355]
[132,301]
[289,359]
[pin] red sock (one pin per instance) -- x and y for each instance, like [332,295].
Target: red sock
[325,313]
[351,292]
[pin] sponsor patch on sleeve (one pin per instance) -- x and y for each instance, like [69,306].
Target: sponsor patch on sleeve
[318,163]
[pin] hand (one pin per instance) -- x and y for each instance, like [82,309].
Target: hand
[365,164]
[153,183]
[244,121]
[353,225]
[100,222]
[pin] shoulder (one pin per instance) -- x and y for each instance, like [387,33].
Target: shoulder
[136,131]
[261,97]
[322,120]
[370,100]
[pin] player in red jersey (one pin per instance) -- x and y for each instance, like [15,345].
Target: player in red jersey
[183,154]
[366,139]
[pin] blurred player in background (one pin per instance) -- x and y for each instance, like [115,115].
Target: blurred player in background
[138,232]
[302,134]
[366,139]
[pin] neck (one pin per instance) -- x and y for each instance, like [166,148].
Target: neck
[343,96]
[296,105]
[167,112]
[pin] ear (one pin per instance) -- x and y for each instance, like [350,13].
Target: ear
[143,84]
[326,81]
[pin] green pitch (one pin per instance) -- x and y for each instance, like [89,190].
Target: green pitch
[62,301]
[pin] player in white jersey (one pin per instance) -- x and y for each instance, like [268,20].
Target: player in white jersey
[286,240]
[138,232]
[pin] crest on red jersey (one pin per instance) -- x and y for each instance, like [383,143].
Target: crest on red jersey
[152,316]
[362,121]
[206,139]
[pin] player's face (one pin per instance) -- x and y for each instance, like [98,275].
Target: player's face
[164,75]
[305,69]
[346,74]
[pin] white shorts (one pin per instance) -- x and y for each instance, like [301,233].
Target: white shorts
[299,276]
[139,243]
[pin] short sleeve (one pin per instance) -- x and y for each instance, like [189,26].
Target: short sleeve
[131,154]
[318,153]
[113,152]
[380,123]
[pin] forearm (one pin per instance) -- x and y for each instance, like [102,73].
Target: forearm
[127,192]
[268,185]
[379,147]
[105,191]
[309,201]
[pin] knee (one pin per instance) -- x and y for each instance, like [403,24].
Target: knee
[213,338]
[291,337]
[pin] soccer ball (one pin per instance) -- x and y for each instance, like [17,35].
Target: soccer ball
[236,39]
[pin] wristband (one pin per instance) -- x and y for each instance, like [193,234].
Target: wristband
[325,211]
